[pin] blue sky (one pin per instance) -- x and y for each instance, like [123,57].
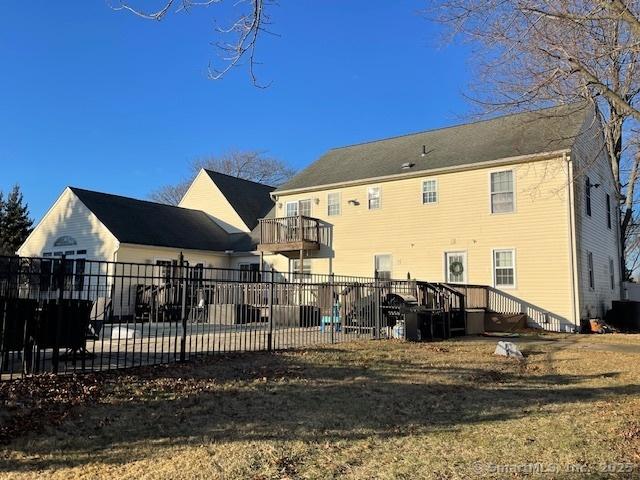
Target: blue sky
[103,100]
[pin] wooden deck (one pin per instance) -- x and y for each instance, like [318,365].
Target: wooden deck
[289,234]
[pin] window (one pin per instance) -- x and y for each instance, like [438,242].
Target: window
[383,266]
[612,277]
[504,268]
[197,273]
[502,192]
[46,254]
[292,209]
[587,195]
[456,267]
[166,270]
[294,267]
[333,204]
[79,275]
[301,207]
[249,272]
[373,197]
[429,191]
[81,252]
[305,208]
[590,267]
[608,211]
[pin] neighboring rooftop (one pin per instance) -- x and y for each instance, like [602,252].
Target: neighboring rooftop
[528,133]
[250,200]
[147,223]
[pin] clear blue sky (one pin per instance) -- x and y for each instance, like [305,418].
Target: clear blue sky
[103,100]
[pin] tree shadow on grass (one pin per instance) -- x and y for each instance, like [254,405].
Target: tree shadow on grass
[292,397]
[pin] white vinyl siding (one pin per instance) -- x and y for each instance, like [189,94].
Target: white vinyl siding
[504,268]
[429,191]
[502,196]
[373,198]
[333,204]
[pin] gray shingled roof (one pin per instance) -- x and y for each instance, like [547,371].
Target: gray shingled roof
[526,133]
[249,199]
[147,223]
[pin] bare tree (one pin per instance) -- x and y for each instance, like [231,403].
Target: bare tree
[251,165]
[251,21]
[537,52]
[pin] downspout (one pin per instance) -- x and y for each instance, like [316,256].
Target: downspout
[575,305]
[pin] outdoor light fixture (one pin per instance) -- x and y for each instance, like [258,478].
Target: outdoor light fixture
[353,202]
[424,151]
[407,165]
[595,185]
[316,200]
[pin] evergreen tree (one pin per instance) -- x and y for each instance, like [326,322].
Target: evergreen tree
[15,224]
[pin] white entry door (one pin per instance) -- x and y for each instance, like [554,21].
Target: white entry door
[456,267]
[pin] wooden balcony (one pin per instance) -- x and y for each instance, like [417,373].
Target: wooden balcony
[289,234]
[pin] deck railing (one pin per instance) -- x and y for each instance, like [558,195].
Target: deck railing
[282,230]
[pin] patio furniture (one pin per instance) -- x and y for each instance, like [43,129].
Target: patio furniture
[63,324]
[16,318]
[100,313]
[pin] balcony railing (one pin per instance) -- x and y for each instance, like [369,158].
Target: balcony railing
[289,233]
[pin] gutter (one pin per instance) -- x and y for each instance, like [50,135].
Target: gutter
[575,296]
[422,173]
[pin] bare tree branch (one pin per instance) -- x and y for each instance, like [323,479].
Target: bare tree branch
[246,29]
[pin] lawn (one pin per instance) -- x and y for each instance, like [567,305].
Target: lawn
[384,409]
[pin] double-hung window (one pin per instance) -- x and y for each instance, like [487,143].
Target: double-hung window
[429,191]
[504,268]
[502,195]
[333,204]
[373,198]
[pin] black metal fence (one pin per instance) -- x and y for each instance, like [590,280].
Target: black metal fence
[63,315]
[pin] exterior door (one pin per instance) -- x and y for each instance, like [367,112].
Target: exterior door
[456,267]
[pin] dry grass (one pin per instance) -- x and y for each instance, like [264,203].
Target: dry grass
[362,410]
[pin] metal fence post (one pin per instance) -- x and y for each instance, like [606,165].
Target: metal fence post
[55,356]
[378,305]
[183,311]
[332,305]
[270,299]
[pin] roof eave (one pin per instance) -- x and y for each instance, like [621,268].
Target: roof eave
[421,173]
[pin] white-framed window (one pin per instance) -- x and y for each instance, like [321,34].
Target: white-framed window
[300,207]
[612,277]
[291,209]
[249,272]
[592,280]
[383,265]
[502,192]
[305,207]
[333,204]
[429,191]
[373,198]
[504,267]
[294,267]
[455,264]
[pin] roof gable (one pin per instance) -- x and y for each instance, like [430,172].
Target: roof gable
[521,134]
[250,200]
